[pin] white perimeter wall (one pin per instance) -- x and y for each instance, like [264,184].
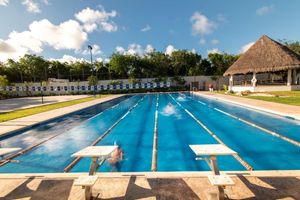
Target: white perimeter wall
[66,87]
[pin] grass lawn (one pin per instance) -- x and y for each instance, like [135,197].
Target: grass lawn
[31,111]
[286,97]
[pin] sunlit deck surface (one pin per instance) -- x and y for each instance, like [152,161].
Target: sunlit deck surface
[269,107]
[264,185]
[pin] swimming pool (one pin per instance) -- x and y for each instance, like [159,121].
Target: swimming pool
[263,141]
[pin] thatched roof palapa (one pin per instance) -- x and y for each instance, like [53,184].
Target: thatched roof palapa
[266,55]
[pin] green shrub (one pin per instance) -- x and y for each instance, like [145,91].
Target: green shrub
[225,88]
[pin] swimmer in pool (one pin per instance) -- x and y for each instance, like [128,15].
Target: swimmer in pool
[116,157]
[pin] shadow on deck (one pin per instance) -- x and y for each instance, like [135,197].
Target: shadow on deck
[151,188]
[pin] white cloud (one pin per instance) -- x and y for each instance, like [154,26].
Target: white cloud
[99,59]
[201,24]
[96,50]
[202,41]
[265,10]
[149,48]
[67,35]
[215,41]
[93,19]
[106,60]
[120,50]
[4,2]
[170,49]
[19,44]
[135,49]
[31,6]
[25,40]
[68,59]
[214,50]
[8,50]
[146,28]
[246,47]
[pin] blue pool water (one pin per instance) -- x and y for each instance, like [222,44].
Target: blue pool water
[176,131]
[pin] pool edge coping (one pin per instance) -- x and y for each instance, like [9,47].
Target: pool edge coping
[281,114]
[186,174]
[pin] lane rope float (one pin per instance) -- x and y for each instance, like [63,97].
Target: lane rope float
[236,156]
[154,152]
[76,160]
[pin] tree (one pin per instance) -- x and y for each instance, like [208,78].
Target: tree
[220,62]
[59,70]
[14,71]
[35,67]
[3,81]
[93,81]
[293,45]
[185,63]
[120,64]
[80,70]
[159,64]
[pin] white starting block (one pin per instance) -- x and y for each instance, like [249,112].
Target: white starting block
[213,150]
[220,180]
[5,151]
[85,181]
[96,153]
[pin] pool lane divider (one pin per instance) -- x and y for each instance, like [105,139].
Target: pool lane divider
[261,128]
[201,102]
[23,151]
[236,156]
[9,158]
[76,160]
[154,152]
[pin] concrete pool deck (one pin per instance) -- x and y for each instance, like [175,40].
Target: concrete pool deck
[24,122]
[270,107]
[160,185]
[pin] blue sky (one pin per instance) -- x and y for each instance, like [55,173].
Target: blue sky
[60,29]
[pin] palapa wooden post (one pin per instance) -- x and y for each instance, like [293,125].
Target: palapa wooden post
[289,77]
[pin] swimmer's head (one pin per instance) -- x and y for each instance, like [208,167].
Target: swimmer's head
[117,143]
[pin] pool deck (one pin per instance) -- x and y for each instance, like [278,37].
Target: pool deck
[25,122]
[270,107]
[159,185]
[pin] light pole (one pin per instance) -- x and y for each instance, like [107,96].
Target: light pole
[91,48]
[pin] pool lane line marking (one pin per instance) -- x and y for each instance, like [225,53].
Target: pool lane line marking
[154,152]
[9,158]
[109,108]
[236,156]
[201,102]
[261,128]
[77,159]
